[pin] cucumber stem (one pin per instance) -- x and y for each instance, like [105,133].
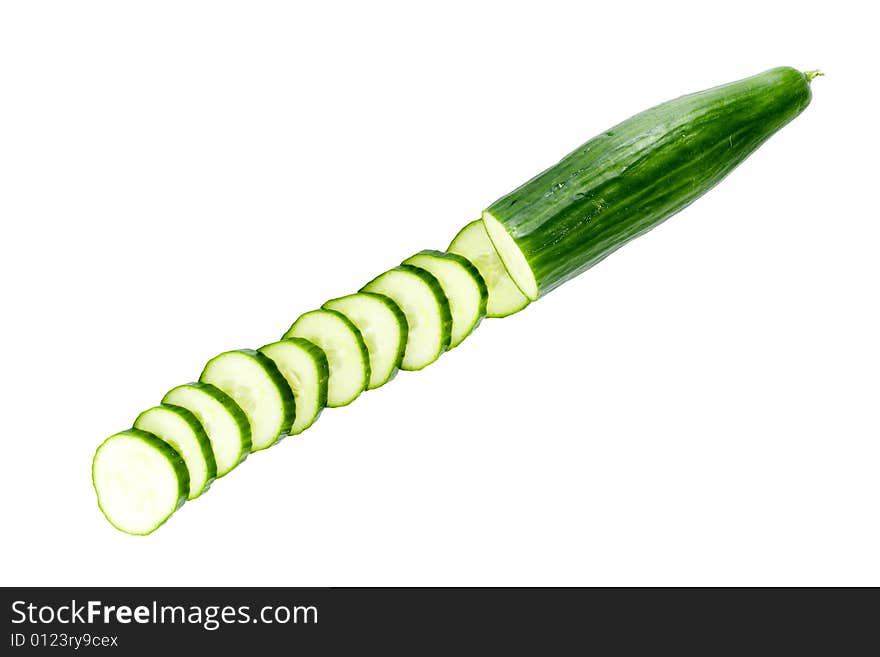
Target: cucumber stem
[813,74]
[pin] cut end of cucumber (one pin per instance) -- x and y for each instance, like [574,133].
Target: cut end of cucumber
[513,259]
[139,480]
[472,243]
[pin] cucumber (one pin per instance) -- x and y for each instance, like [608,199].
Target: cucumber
[420,296]
[383,327]
[463,286]
[139,479]
[473,243]
[183,431]
[256,385]
[343,344]
[636,175]
[225,423]
[304,366]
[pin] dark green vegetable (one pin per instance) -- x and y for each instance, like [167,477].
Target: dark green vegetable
[636,175]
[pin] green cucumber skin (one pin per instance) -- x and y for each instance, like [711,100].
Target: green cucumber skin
[287,402]
[472,270]
[439,296]
[362,348]
[204,442]
[402,324]
[176,461]
[626,181]
[442,301]
[238,415]
[474,273]
[320,359]
[478,277]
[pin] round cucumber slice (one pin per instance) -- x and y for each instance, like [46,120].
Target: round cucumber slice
[421,298]
[383,327]
[183,431]
[346,352]
[140,480]
[256,385]
[304,366]
[225,423]
[463,285]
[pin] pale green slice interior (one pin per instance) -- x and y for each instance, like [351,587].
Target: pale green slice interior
[299,369]
[137,486]
[221,427]
[513,259]
[380,329]
[416,299]
[461,290]
[338,339]
[243,378]
[473,243]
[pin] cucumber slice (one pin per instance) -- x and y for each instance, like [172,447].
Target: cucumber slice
[140,480]
[473,242]
[463,285]
[383,327]
[183,431]
[304,366]
[420,296]
[225,423]
[345,349]
[253,381]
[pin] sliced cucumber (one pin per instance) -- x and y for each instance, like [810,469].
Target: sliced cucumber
[463,285]
[345,349]
[383,327]
[140,480]
[473,242]
[223,420]
[420,296]
[304,366]
[183,431]
[253,381]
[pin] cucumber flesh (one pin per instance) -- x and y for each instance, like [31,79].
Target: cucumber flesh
[304,366]
[511,256]
[256,385]
[473,242]
[462,284]
[343,344]
[383,327]
[420,296]
[223,420]
[139,479]
[183,431]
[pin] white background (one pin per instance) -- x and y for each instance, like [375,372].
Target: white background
[182,178]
